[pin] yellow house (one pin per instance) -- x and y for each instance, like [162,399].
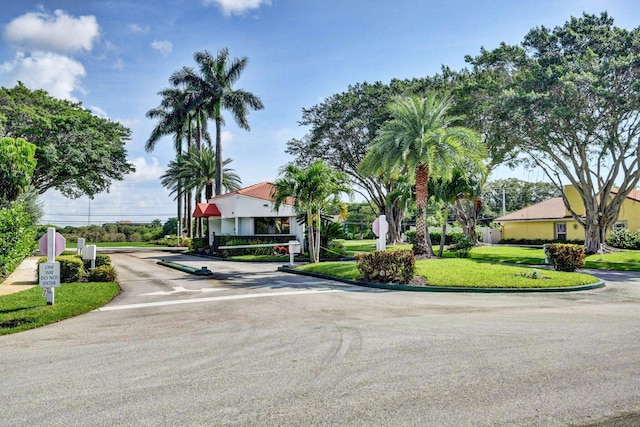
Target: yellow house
[550,220]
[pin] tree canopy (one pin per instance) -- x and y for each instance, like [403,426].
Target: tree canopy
[77,153]
[571,104]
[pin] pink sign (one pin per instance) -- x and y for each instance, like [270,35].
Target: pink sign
[61,244]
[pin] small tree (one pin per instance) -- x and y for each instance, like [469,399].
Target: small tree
[312,190]
[422,141]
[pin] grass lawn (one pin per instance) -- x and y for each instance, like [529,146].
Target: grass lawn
[458,272]
[28,309]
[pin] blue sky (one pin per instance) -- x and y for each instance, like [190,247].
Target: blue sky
[115,55]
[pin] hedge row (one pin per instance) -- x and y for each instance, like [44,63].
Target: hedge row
[74,269]
[17,238]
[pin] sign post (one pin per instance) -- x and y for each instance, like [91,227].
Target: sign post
[380,228]
[51,244]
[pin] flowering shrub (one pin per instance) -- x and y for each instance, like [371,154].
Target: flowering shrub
[566,257]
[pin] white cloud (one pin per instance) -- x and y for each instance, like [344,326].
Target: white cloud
[59,75]
[226,137]
[135,28]
[60,32]
[99,112]
[163,46]
[237,7]
[145,171]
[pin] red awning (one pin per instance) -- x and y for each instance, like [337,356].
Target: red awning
[206,209]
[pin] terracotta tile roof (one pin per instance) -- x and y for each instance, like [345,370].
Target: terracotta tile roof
[548,209]
[206,209]
[262,190]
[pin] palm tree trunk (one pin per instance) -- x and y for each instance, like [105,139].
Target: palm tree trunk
[218,183]
[422,246]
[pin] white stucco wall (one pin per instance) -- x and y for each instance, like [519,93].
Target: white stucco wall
[238,213]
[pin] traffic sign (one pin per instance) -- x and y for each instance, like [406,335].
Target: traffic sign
[61,244]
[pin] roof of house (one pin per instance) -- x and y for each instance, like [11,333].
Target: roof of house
[633,195]
[262,190]
[549,209]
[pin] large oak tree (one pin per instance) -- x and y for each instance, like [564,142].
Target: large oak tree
[571,104]
[77,153]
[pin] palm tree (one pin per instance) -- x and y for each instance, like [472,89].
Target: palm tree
[172,116]
[177,117]
[312,189]
[195,170]
[421,140]
[214,92]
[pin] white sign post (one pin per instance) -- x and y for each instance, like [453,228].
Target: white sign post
[89,253]
[380,228]
[81,245]
[52,244]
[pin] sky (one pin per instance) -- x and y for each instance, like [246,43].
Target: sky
[114,56]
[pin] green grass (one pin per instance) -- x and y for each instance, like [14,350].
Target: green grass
[28,309]
[457,272]
[355,246]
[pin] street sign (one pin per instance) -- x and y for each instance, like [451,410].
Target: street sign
[60,244]
[49,274]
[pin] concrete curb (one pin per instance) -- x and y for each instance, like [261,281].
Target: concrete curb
[387,286]
[204,271]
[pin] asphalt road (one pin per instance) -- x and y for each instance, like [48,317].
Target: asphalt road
[251,346]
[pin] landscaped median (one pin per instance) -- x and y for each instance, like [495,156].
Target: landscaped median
[463,275]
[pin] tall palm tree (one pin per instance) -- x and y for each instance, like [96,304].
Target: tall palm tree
[176,116]
[421,140]
[172,119]
[312,189]
[214,87]
[195,171]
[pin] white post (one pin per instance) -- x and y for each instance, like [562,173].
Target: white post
[546,257]
[51,257]
[383,228]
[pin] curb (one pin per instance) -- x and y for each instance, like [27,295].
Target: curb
[204,271]
[391,287]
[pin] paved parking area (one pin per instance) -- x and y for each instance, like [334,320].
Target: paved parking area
[251,346]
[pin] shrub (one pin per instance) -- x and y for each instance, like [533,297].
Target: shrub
[387,266]
[74,269]
[462,246]
[17,238]
[566,257]
[71,268]
[435,237]
[624,239]
[104,273]
[101,259]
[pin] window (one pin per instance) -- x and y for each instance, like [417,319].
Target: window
[561,230]
[620,225]
[271,226]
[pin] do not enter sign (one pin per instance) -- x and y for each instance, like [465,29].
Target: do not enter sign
[60,244]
